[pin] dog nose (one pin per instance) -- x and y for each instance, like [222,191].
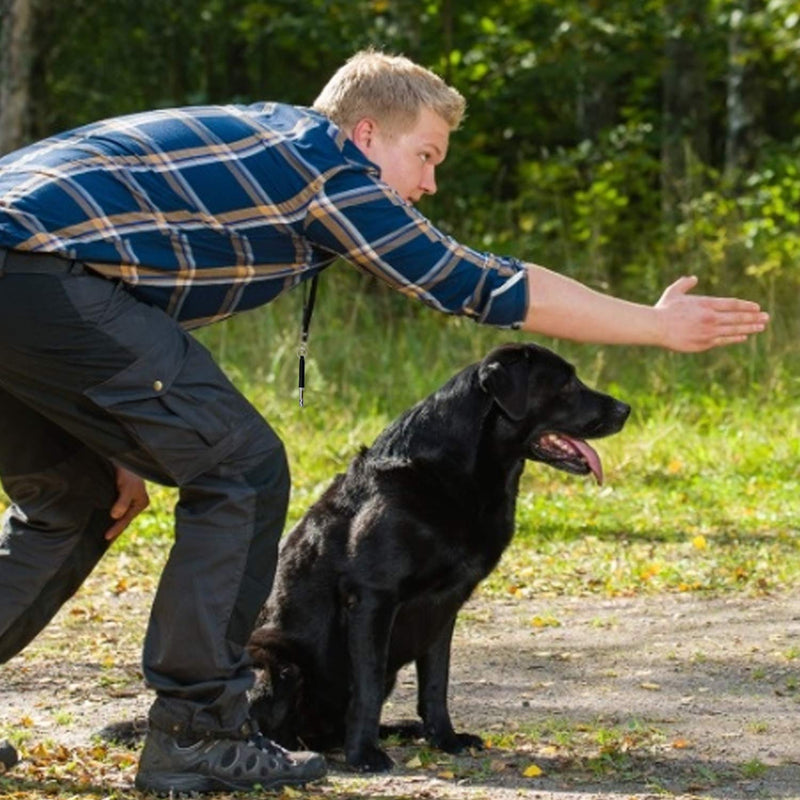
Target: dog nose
[622,412]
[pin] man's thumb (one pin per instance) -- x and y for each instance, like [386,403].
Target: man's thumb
[684,284]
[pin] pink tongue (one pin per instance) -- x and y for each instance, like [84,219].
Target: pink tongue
[592,459]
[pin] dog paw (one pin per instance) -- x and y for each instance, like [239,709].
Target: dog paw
[457,742]
[370,759]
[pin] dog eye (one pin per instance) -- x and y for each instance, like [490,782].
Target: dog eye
[571,385]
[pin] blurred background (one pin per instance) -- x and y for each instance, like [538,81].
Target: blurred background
[624,142]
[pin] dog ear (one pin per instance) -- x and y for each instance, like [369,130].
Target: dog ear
[507,383]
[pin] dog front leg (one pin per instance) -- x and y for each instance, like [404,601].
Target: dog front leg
[370,618]
[433,677]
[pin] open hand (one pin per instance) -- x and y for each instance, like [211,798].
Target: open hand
[132,498]
[692,323]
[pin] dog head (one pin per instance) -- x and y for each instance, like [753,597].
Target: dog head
[546,411]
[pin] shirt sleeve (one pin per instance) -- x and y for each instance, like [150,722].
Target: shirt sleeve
[358,217]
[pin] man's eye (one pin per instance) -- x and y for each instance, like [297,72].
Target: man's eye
[424,157]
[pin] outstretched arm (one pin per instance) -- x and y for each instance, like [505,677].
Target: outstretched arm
[563,308]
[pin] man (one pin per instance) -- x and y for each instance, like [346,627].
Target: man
[121,235]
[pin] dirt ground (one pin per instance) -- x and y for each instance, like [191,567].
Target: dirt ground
[678,696]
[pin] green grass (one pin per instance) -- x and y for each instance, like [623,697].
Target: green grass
[699,499]
[701,485]
[702,501]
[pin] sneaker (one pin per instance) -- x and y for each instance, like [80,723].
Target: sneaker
[8,756]
[220,765]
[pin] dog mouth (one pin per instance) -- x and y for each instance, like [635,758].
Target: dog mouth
[569,454]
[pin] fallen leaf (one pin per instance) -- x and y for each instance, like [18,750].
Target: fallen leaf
[681,744]
[545,622]
[533,771]
[414,763]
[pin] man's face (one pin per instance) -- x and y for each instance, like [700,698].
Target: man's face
[408,160]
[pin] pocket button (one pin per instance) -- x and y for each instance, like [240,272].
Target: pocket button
[157,386]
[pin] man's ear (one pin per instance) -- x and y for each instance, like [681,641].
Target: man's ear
[363,134]
[507,383]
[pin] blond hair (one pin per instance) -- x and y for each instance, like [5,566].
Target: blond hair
[392,90]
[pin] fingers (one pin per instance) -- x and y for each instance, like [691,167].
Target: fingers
[734,305]
[125,519]
[119,526]
[684,284]
[728,328]
[739,316]
[681,286]
[694,323]
[132,499]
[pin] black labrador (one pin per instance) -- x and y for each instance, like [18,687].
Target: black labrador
[373,576]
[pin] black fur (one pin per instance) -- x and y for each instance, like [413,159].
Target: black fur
[373,576]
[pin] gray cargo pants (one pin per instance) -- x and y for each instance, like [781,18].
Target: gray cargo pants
[91,377]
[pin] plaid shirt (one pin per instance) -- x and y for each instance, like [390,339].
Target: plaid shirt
[207,211]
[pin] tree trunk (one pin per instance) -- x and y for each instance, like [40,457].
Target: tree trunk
[740,99]
[16,58]
[685,113]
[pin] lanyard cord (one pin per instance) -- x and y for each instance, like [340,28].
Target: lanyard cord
[308,310]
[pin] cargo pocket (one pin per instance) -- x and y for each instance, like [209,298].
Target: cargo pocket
[179,407]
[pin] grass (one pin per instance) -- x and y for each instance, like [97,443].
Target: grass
[693,502]
[700,496]
[700,491]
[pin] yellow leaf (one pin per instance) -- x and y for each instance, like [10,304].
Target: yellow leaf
[414,763]
[681,744]
[533,771]
[447,775]
[545,622]
[653,687]
[699,542]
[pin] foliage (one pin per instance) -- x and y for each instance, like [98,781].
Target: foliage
[571,155]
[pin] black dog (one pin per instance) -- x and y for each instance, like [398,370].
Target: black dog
[374,575]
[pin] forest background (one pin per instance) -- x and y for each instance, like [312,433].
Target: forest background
[624,142]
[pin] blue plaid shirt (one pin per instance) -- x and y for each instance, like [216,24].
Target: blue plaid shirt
[207,211]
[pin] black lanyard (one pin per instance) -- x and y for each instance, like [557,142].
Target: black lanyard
[308,310]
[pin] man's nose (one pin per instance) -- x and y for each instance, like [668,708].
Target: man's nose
[428,182]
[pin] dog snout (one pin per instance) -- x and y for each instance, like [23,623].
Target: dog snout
[620,413]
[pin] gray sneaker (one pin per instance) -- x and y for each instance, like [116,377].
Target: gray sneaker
[221,765]
[8,756]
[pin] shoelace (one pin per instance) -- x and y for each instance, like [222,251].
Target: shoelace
[270,747]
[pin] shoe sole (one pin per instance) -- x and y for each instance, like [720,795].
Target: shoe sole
[164,784]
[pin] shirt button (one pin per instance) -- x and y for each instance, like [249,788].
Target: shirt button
[158,386]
